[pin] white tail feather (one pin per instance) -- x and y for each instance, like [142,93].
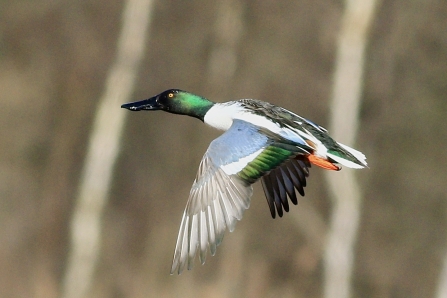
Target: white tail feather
[359,155]
[344,162]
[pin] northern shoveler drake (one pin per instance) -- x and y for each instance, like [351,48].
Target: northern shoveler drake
[261,141]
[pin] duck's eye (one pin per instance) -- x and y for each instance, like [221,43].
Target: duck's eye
[171,95]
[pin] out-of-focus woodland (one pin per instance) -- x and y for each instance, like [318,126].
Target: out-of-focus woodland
[55,58]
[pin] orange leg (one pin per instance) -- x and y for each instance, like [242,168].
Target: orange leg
[318,161]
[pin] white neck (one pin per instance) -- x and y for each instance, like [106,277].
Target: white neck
[221,115]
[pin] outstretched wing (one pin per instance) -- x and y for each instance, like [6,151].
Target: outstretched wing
[282,182]
[215,202]
[222,189]
[301,128]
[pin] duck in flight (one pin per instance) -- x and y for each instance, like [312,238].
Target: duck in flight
[261,142]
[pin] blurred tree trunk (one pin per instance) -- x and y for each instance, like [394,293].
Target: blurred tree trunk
[347,94]
[103,150]
[442,284]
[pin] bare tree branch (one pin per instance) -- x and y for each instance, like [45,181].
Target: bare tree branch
[103,150]
[347,90]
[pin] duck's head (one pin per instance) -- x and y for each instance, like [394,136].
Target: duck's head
[173,101]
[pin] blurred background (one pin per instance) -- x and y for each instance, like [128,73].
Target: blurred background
[55,58]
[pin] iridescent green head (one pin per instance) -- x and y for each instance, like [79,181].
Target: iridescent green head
[174,101]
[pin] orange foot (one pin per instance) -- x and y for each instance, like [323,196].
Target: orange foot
[323,163]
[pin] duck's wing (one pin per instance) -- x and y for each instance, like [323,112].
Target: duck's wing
[300,128]
[281,183]
[222,189]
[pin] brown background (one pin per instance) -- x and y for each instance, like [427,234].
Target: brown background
[54,58]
